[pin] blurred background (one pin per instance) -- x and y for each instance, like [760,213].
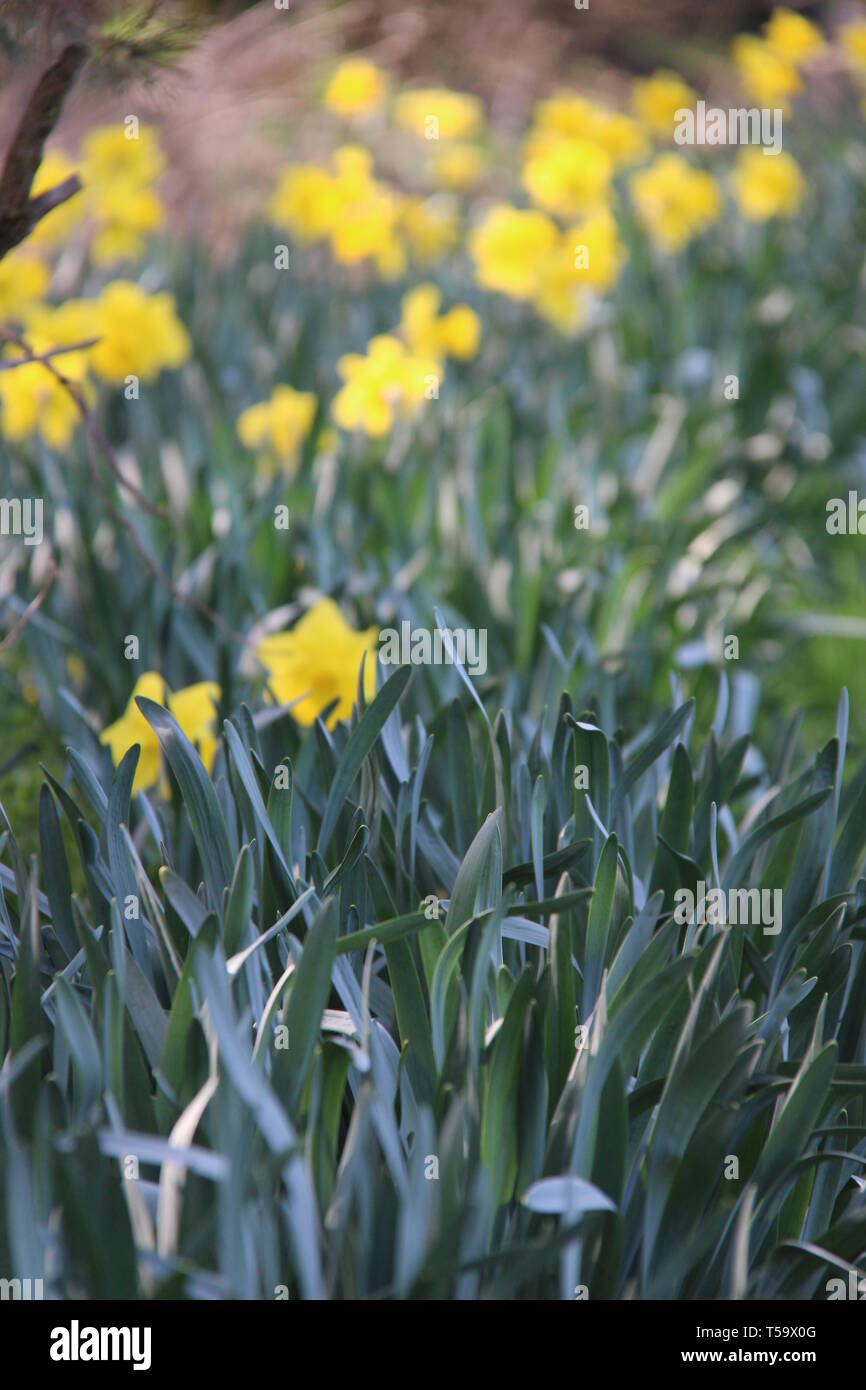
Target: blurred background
[249,77]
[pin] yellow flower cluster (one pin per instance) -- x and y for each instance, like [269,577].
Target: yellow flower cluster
[401,370]
[524,255]
[194,708]
[345,205]
[138,334]
[363,218]
[571,155]
[447,120]
[381,385]
[118,166]
[568,116]
[770,66]
[314,665]
[573,150]
[32,400]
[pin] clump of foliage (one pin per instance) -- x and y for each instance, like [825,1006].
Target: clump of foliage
[416,1018]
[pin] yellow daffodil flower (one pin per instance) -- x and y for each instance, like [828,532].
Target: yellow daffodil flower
[767,186]
[194,708]
[508,248]
[432,335]
[356,88]
[655,101]
[140,334]
[566,176]
[793,37]
[110,157]
[32,400]
[385,382]
[279,425]
[436,113]
[319,660]
[768,79]
[674,201]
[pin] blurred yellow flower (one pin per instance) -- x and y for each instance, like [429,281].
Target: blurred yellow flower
[793,37]
[566,176]
[368,215]
[508,248]
[655,101]
[140,334]
[358,213]
[319,660]
[32,400]
[559,296]
[429,334]
[673,201]
[381,384]
[356,88]
[23,281]
[306,201]
[436,113]
[431,227]
[596,250]
[769,79]
[123,216]
[110,156]
[567,114]
[767,186]
[370,232]
[457,167]
[852,37]
[280,425]
[194,708]
[56,226]
[587,259]
[620,136]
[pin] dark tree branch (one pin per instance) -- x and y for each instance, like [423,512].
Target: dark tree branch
[19,213]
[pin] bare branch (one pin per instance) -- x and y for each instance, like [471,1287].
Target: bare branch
[31,608]
[8,364]
[19,213]
[46,202]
